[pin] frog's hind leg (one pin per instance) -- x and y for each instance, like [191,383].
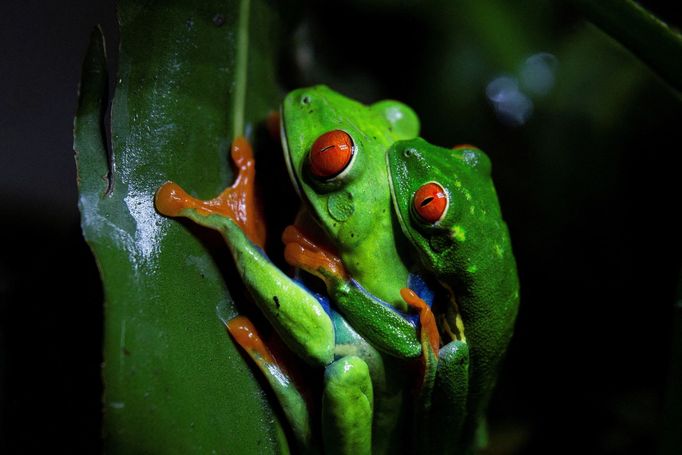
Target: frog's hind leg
[290,398]
[449,399]
[440,408]
[237,202]
[347,407]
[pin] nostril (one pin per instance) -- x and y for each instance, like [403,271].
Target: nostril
[305,99]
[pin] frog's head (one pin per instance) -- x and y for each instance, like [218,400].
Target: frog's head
[335,151]
[445,201]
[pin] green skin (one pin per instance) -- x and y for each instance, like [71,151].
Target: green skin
[468,250]
[354,208]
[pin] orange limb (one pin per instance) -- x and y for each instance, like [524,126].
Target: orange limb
[427,320]
[311,255]
[274,354]
[245,334]
[237,202]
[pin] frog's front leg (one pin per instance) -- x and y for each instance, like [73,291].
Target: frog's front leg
[296,315]
[378,322]
[440,408]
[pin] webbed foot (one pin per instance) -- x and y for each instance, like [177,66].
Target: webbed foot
[237,202]
[313,255]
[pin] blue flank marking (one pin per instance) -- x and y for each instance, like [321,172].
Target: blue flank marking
[419,286]
[325,302]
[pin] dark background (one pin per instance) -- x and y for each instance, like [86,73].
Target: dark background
[50,293]
[589,184]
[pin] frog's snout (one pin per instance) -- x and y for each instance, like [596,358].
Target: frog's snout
[400,155]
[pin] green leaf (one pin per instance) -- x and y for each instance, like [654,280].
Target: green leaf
[189,79]
[644,34]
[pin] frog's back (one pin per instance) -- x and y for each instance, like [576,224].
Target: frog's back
[482,275]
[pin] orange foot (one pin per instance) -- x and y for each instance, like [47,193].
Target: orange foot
[237,202]
[313,256]
[245,334]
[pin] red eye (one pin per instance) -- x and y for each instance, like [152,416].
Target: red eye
[330,154]
[430,202]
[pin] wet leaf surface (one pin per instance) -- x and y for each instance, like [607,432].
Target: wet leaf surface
[174,381]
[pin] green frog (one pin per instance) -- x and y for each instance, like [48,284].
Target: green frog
[448,209]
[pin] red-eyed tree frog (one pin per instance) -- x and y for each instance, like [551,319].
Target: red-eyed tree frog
[448,209]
